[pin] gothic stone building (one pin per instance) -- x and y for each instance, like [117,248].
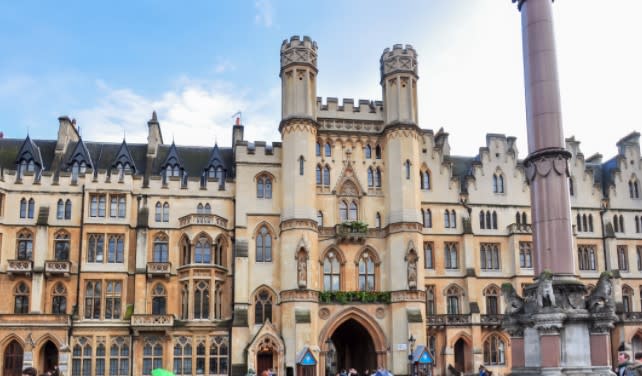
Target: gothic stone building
[329,249]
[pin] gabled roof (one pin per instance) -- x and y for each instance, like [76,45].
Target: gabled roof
[123,156]
[215,158]
[80,154]
[172,157]
[305,357]
[29,151]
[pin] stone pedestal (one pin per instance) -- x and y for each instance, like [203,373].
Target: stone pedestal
[564,332]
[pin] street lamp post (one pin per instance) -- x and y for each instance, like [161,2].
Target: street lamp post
[411,342]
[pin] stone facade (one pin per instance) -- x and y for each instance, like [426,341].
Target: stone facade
[355,232]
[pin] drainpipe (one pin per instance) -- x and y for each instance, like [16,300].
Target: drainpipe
[82,227]
[603,208]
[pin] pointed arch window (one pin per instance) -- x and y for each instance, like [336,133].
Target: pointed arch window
[450,219]
[219,350]
[427,218]
[23,208]
[60,209]
[59,299]
[24,248]
[634,188]
[264,245]
[166,212]
[61,246]
[262,307]
[320,218]
[326,176]
[202,300]
[378,220]
[571,187]
[119,358]
[331,272]
[627,298]
[31,207]
[219,251]
[207,209]
[317,149]
[425,180]
[492,300]
[446,218]
[407,165]
[21,298]
[622,257]
[343,211]
[586,257]
[482,220]
[68,209]
[453,297]
[489,256]
[366,272]
[494,220]
[161,248]
[367,151]
[203,251]
[159,300]
[377,177]
[525,219]
[82,363]
[378,152]
[498,183]
[319,175]
[450,255]
[370,177]
[100,359]
[199,208]
[264,186]
[494,351]
[152,357]
[158,212]
[328,150]
[354,210]
[429,256]
[301,165]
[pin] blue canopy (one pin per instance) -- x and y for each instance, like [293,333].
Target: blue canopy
[305,358]
[421,355]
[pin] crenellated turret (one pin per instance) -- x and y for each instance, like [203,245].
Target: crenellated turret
[399,84]
[298,78]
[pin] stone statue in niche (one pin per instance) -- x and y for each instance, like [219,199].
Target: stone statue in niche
[601,298]
[412,271]
[545,294]
[302,270]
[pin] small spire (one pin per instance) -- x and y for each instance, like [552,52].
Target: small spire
[154,118]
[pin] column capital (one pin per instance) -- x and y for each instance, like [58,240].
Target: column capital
[520,2]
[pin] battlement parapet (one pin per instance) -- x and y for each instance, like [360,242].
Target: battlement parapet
[298,51]
[399,59]
[363,106]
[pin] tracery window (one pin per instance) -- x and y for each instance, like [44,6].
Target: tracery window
[427,218]
[264,245]
[429,256]
[264,186]
[219,353]
[60,209]
[494,351]
[331,272]
[82,363]
[61,246]
[24,246]
[96,248]
[367,151]
[100,359]
[366,272]
[59,299]
[370,177]
[203,251]
[586,257]
[119,358]
[116,250]
[161,248]
[93,294]
[202,300]
[453,295]
[21,298]
[152,356]
[262,307]
[159,300]
[489,256]
[492,300]
[113,300]
[450,256]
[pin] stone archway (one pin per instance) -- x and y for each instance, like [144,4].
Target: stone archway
[352,339]
[48,356]
[12,359]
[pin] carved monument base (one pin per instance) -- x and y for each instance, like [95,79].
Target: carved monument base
[561,331]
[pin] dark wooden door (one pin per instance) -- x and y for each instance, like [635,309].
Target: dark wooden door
[264,362]
[13,360]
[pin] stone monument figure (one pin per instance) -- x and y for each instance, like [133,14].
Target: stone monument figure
[412,271]
[302,271]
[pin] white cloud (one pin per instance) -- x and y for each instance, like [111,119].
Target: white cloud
[224,66]
[192,114]
[264,13]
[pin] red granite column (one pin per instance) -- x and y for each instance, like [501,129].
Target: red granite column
[547,160]
[601,349]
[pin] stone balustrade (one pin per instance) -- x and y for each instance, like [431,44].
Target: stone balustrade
[152,321]
[631,317]
[202,219]
[19,267]
[494,320]
[448,320]
[159,269]
[57,267]
[520,228]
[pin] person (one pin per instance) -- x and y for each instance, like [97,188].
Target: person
[623,363]
[29,371]
[636,367]
[482,371]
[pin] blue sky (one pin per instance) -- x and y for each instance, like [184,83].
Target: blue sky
[109,64]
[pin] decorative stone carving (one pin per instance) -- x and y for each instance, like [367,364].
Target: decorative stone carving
[542,163]
[380,313]
[601,298]
[399,60]
[514,303]
[299,224]
[545,294]
[299,295]
[411,259]
[350,125]
[297,51]
[302,270]
[324,313]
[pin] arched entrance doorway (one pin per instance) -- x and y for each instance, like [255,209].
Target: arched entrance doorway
[636,344]
[353,348]
[13,359]
[462,356]
[49,356]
